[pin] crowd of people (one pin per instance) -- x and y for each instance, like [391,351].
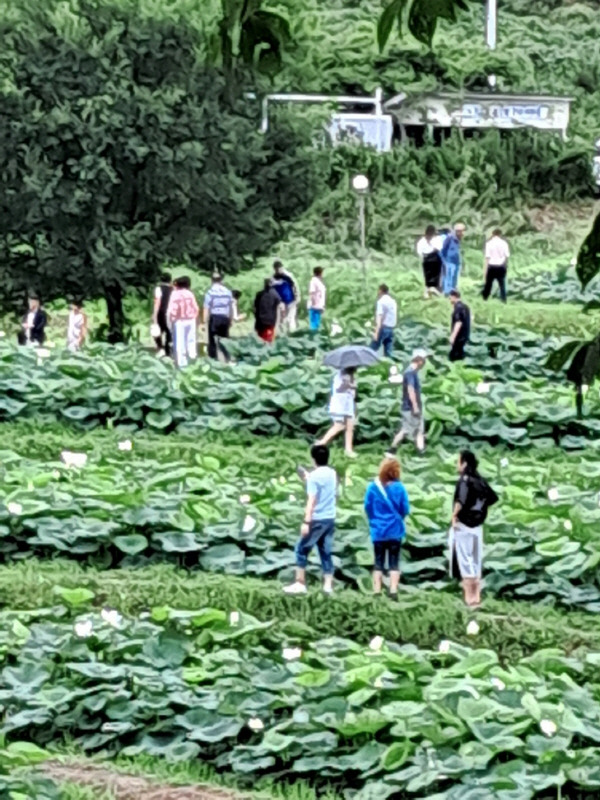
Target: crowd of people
[386,505]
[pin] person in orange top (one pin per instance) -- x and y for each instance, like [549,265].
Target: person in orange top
[182,315]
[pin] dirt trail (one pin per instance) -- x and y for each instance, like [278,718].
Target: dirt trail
[131,787]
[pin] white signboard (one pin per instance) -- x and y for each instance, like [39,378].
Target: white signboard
[488,111]
[370,129]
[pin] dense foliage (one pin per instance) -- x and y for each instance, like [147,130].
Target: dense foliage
[177,684]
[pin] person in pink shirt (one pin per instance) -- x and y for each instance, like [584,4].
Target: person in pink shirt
[182,315]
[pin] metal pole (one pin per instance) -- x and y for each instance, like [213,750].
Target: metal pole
[492,20]
[363,234]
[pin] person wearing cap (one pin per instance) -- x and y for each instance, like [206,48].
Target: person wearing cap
[386,317]
[34,323]
[286,287]
[218,316]
[460,326]
[451,257]
[413,424]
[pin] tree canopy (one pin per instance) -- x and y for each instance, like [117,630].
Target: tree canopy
[122,150]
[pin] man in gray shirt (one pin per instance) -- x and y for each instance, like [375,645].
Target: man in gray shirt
[319,521]
[218,316]
[386,317]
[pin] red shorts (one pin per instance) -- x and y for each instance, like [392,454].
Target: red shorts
[267,335]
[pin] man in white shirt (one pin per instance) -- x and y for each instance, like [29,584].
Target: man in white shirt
[386,317]
[497,253]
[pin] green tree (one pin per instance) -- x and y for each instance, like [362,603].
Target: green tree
[419,16]
[120,150]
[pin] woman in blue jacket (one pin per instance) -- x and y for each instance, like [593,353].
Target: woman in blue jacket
[386,506]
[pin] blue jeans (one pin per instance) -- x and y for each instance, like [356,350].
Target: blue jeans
[451,273]
[314,318]
[385,338]
[320,533]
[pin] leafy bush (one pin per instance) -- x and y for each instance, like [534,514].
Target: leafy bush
[394,717]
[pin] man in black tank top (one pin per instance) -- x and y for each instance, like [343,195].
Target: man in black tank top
[162,294]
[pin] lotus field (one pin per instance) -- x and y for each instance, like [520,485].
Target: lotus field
[147,524]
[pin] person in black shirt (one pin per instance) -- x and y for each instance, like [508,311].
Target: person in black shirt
[472,498]
[34,323]
[162,294]
[461,326]
[268,308]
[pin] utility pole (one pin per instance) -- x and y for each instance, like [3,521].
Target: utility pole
[492,23]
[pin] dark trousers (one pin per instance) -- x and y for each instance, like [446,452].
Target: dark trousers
[218,328]
[495,274]
[385,338]
[165,340]
[458,351]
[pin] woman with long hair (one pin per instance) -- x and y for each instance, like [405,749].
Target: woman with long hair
[472,498]
[342,408]
[386,506]
[428,250]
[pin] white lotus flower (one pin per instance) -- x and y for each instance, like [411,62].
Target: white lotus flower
[2,334]
[292,653]
[368,324]
[574,261]
[234,618]
[282,480]
[548,727]
[84,628]
[393,370]
[504,462]
[553,494]
[376,643]
[255,724]
[112,617]
[41,352]
[73,459]
[244,499]
[568,525]
[378,683]
[585,388]
[482,388]
[336,329]
[126,445]
[472,628]
[55,474]
[498,684]
[444,646]
[292,498]
[15,508]
[249,524]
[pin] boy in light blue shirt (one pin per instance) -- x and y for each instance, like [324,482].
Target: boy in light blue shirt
[319,521]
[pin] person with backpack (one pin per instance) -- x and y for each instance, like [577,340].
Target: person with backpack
[386,506]
[473,496]
[287,288]
[161,333]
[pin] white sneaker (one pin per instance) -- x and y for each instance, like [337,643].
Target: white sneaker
[295,588]
[328,589]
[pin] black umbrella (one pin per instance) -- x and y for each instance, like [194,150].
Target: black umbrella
[351,355]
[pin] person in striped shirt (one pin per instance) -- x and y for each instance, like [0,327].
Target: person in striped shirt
[182,316]
[218,316]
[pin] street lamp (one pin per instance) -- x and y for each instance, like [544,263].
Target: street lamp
[360,184]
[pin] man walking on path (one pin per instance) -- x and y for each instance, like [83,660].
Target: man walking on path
[317,294]
[451,257]
[497,253]
[218,316]
[319,521]
[268,309]
[286,287]
[460,326]
[413,423]
[182,316]
[386,317]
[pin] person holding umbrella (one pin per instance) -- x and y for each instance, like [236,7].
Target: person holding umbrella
[342,405]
